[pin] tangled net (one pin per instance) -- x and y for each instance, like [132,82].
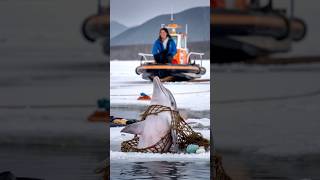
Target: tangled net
[180,129]
[219,172]
[184,134]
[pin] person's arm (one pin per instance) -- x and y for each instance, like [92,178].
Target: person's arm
[155,49]
[156,52]
[172,48]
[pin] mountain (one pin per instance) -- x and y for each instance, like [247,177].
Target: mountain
[116,28]
[198,20]
[130,52]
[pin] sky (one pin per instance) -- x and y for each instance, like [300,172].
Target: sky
[135,12]
[56,27]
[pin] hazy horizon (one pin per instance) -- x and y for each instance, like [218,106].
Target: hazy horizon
[136,12]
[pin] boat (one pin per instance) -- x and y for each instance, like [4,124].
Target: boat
[243,30]
[182,68]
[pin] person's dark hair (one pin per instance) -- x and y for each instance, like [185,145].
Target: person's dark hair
[166,30]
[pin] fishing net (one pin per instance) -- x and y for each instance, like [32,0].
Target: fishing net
[219,172]
[184,135]
[179,128]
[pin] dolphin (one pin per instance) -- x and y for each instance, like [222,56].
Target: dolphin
[154,127]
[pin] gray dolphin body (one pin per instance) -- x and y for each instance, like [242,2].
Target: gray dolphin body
[154,127]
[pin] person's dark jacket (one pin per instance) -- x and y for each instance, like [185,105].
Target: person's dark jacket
[162,54]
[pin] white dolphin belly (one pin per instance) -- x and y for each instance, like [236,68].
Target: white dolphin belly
[155,127]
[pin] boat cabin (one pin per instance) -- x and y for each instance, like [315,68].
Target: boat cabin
[181,41]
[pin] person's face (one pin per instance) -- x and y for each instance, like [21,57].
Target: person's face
[163,34]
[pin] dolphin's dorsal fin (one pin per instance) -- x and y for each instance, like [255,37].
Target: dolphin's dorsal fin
[135,128]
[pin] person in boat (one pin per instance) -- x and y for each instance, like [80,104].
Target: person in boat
[164,48]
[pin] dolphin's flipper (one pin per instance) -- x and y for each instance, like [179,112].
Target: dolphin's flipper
[135,128]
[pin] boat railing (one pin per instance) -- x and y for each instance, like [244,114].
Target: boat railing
[195,54]
[144,57]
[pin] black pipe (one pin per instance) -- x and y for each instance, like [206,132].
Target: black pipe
[95,27]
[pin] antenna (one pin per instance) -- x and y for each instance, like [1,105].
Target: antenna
[171,14]
[186,37]
[186,28]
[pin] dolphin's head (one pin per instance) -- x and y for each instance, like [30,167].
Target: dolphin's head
[161,95]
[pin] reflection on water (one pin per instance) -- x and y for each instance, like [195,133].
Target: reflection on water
[160,170]
[51,163]
[44,70]
[244,166]
[273,111]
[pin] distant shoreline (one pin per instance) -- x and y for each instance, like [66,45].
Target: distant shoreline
[285,60]
[130,52]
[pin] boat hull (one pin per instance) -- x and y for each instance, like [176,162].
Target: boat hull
[242,35]
[177,72]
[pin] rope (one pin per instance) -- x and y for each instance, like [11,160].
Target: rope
[219,172]
[104,170]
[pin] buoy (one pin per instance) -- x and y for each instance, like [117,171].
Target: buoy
[99,116]
[192,148]
[131,121]
[120,121]
[144,96]
[103,103]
